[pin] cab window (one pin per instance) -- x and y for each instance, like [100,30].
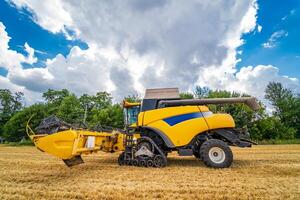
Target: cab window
[131,115]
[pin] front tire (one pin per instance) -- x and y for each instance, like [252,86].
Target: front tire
[216,153]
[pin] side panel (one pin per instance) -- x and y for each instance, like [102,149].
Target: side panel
[59,144]
[70,143]
[180,124]
[217,121]
[162,113]
[140,119]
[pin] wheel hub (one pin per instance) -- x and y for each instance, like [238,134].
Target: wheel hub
[216,155]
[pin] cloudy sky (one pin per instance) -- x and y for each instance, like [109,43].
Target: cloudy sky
[126,46]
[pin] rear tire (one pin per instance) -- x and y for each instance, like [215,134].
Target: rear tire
[216,153]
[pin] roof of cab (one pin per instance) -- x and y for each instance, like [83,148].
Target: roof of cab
[162,93]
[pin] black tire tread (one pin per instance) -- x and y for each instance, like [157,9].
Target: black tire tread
[204,149]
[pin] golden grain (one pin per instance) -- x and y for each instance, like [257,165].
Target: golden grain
[261,172]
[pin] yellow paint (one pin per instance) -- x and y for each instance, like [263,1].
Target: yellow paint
[182,133]
[140,118]
[159,114]
[216,121]
[128,104]
[59,144]
[67,144]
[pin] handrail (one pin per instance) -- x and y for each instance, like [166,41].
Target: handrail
[30,133]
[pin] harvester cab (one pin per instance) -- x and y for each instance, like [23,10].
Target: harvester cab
[130,113]
[158,125]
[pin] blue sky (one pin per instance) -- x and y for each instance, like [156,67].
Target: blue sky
[21,28]
[272,16]
[275,16]
[125,47]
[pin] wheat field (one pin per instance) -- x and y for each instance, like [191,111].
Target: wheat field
[261,172]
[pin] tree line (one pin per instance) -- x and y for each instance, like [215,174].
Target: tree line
[99,109]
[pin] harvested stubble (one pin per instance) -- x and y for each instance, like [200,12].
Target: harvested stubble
[261,172]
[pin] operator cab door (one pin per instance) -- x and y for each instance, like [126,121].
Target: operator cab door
[131,112]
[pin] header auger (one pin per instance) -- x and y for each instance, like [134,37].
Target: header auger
[160,124]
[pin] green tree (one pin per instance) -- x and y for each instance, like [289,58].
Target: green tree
[286,104]
[9,104]
[89,103]
[111,116]
[259,124]
[102,100]
[70,110]
[133,98]
[201,92]
[186,95]
[14,129]
[271,128]
[53,99]
[55,96]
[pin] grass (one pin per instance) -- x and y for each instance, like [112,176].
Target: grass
[21,143]
[277,141]
[261,172]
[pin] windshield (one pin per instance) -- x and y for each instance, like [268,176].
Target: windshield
[131,115]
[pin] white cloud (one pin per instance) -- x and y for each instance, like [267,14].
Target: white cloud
[50,14]
[259,28]
[273,40]
[250,80]
[10,58]
[255,79]
[136,44]
[31,97]
[31,59]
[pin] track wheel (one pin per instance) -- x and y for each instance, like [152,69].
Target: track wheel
[150,163]
[128,162]
[216,153]
[135,162]
[142,163]
[159,161]
[121,159]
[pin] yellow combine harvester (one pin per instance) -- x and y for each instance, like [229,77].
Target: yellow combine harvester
[160,124]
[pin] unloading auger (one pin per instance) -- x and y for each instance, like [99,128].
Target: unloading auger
[162,123]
